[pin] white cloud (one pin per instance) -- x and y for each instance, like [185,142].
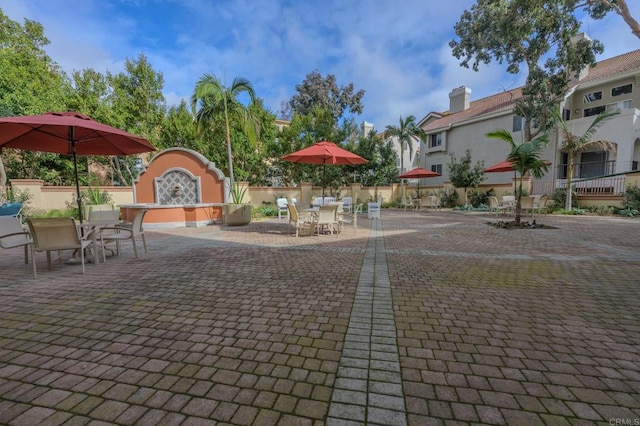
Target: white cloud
[397,52]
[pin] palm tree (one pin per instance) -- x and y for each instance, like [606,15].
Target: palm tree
[574,144]
[216,100]
[525,158]
[407,131]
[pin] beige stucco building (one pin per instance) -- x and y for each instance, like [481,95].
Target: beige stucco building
[612,84]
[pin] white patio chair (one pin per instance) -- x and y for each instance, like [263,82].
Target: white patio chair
[373,209]
[282,207]
[347,204]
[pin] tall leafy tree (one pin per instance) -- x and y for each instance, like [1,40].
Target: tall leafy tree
[30,83]
[536,34]
[525,158]
[317,91]
[407,132]
[573,144]
[138,106]
[211,99]
[463,174]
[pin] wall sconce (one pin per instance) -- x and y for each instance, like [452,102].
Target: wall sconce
[577,111]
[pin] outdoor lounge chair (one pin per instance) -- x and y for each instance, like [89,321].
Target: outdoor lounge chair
[13,235]
[55,234]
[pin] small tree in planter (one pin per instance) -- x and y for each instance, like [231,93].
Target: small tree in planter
[463,175]
[215,100]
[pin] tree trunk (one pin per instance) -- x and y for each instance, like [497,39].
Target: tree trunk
[568,203]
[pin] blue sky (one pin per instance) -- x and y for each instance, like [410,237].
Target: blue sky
[397,51]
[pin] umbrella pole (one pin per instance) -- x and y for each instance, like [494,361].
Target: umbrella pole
[75,171]
[323,166]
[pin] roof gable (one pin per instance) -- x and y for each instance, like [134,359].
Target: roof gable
[505,101]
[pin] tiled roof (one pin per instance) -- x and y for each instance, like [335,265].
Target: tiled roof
[613,66]
[501,102]
[504,101]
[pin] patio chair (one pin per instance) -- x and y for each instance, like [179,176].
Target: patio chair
[373,209]
[539,203]
[407,201]
[349,218]
[13,235]
[327,219]
[300,222]
[12,209]
[127,231]
[282,207]
[56,234]
[526,205]
[497,207]
[430,201]
[347,204]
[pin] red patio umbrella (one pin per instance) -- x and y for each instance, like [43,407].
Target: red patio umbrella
[503,166]
[324,153]
[418,173]
[69,133]
[506,166]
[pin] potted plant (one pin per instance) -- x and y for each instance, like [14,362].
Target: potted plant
[236,212]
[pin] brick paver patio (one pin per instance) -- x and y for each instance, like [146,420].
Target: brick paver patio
[420,318]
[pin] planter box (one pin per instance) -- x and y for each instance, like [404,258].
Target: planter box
[237,214]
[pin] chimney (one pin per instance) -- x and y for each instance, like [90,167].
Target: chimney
[459,99]
[366,128]
[576,40]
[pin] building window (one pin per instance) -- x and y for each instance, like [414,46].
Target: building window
[518,123]
[436,168]
[618,106]
[588,112]
[621,90]
[566,114]
[592,97]
[435,140]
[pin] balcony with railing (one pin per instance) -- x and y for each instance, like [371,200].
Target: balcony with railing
[589,178]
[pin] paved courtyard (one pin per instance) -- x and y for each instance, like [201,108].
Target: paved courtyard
[419,318]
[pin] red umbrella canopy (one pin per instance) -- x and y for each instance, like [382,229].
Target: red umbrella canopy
[324,153]
[69,133]
[64,132]
[503,166]
[418,173]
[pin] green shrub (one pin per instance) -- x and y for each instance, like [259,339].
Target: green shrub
[448,197]
[478,197]
[602,210]
[559,197]
[631,199]
[628,212]
[266,211]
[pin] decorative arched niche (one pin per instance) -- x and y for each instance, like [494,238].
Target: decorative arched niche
[177,186]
